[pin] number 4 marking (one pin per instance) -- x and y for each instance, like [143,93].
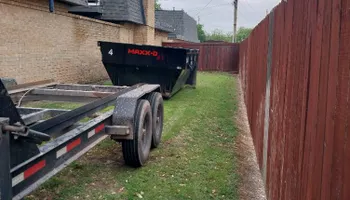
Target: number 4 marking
[110,52]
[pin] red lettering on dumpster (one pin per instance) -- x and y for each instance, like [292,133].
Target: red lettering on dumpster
[143,52]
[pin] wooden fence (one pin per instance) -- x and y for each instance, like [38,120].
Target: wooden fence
[295,73]
[214,56]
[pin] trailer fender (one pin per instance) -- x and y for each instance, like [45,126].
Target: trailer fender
[124,111]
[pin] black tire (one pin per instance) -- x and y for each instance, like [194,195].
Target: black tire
[157,106]
[136,151]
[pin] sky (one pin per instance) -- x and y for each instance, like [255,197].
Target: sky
[218,14]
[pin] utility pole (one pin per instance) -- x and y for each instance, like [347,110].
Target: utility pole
[235,7]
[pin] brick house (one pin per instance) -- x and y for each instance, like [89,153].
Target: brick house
[36,44]
[177,23]
[126,12]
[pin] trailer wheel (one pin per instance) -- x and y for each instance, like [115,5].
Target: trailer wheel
[136,151]
[156,102]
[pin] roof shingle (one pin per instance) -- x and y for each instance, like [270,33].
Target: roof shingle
[116,11]
[184,26]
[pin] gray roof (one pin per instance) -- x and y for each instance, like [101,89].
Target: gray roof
[184,26]
[163,26]
[76,2]
[132,11]
[116,11]
[121,10]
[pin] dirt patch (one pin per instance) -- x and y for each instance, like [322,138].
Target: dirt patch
[108,152]
[251,185]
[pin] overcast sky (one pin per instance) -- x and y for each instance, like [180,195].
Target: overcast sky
[219,13]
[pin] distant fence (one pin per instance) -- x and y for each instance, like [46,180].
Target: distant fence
[214,56]
[295,75]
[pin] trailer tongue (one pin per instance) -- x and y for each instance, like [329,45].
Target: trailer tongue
[129,64]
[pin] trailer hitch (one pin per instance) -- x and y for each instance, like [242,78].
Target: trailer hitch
[19,130]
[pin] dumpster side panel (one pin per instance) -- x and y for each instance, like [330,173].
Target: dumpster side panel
[142,55]
[129,64]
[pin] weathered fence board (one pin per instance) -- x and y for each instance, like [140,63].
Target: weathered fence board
[306,153]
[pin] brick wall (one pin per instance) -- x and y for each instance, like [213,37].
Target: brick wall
[160,37]
[146,34]
[149,12]
[36,44]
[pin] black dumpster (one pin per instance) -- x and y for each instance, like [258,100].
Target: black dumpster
[129,64]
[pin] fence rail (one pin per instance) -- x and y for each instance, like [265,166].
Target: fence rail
[295,75]
[214,56]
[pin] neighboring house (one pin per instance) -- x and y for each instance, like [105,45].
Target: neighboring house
[176,23]
[184,26]
[119,11]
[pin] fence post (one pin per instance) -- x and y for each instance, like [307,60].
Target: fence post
[267,95]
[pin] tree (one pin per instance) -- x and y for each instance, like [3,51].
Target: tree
[219,35]
[201,33]
[242,34]
[157,5]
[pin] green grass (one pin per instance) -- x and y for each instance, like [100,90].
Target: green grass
[196,159]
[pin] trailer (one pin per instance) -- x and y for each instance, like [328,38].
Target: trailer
[37,143]
[171,68]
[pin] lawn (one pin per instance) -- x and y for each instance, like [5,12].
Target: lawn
[196,159]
